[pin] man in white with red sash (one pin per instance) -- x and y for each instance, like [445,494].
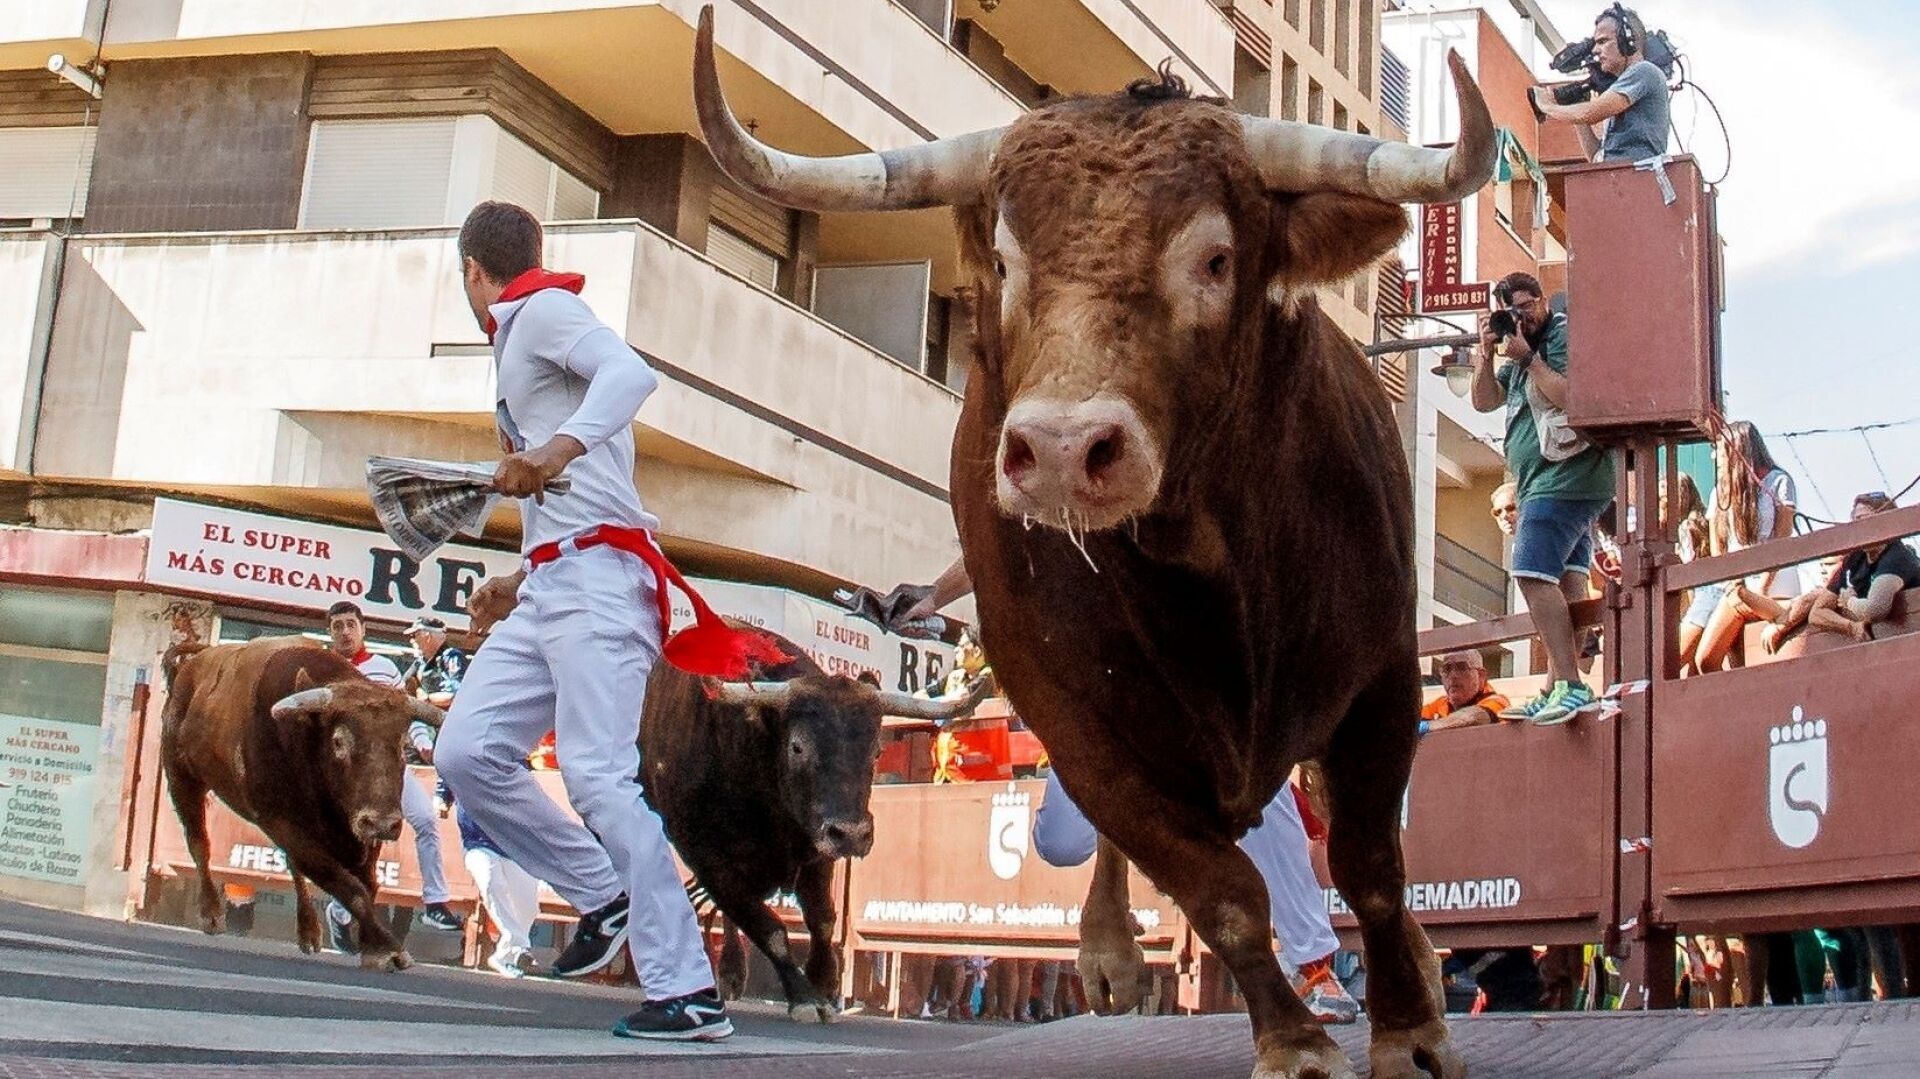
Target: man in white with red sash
[582,627]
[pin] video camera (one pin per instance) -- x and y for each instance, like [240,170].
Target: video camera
[1656,49]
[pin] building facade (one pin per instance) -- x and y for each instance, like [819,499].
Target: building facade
[228,231]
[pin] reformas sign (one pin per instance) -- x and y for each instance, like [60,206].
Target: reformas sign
[307,565]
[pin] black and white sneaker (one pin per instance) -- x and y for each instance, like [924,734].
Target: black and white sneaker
[596,940]
[696,1017]
[437,916]
[340,935]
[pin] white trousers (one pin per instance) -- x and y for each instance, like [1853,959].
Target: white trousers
[1063,836]
[416,806]
[573,657]
[512,897]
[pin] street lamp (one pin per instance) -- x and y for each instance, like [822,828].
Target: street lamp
[1457,368]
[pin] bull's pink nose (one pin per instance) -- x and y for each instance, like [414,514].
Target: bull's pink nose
[1083,456]
[1080,453]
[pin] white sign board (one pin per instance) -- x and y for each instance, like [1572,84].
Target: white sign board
[310,566]
[46,797]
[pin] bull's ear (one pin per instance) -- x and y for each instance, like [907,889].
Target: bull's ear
[302,680]
[1329,237]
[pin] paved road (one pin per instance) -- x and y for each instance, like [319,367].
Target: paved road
[83,998]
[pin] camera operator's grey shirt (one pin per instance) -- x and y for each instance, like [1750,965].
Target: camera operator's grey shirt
[1641,131]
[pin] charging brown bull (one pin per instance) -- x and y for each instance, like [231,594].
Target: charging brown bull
[762,787]
[295,740]
[1221,581]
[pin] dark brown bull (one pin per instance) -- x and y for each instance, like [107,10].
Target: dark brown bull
[1222,584]
[297,741]
[762,787]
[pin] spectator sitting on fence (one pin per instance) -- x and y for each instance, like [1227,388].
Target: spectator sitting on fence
[1861,592]
[1753,502]
[1468,701]
[1694,534]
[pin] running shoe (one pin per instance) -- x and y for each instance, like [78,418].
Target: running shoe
[437,916]
[1323,995]
[1528,709]
[696,1017]
[340,936]
[1567,700]
[596,940]
[506,964]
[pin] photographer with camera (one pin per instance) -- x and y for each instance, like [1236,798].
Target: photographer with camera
[1626,87]
[1564,483]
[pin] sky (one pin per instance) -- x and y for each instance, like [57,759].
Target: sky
[1821,214]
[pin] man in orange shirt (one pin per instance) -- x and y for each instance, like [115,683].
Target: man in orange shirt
[1468,701]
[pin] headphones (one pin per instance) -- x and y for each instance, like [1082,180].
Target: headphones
[1625,18]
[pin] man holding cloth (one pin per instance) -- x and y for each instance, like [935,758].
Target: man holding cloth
[579,629]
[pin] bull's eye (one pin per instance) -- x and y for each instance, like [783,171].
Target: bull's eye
[1217,265]
[1000,267]
[797,748]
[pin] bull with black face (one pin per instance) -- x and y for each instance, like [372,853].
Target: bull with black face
[1221,583]
[762,787]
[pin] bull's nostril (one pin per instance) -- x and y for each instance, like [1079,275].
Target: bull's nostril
[1105,452]
[1017,460]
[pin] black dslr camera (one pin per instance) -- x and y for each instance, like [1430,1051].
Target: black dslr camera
[1578,56]
[1503,324]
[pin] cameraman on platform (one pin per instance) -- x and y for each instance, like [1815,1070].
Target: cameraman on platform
[1635,106]
[1563,483]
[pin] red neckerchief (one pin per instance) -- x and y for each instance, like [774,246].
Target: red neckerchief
[361,657]
[531,282]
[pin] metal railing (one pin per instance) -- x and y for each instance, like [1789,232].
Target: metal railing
[1467,581]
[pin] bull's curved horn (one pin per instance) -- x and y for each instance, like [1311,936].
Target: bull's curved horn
[940,173]
[1302,158]
[425,713]
[754,694]
[895,703]
[306,700]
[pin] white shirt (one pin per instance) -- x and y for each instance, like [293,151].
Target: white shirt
[1776,490]
[379,670]
[560,371]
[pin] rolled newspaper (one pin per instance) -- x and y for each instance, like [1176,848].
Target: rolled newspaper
[423,504]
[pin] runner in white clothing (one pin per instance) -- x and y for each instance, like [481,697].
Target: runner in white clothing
[582,628]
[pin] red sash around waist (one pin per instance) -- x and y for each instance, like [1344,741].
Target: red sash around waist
[709,646]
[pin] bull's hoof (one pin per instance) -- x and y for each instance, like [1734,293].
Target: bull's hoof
[813,1011]
[1425,1052]
[310,945]
[397,960]
[1309,1062]
[213,924]
[1114,975]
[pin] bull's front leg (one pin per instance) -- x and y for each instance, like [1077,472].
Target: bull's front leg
[1367,766]
[1113,968]
[1223,896]
[814,890]
[353,888]
[764,928]
[306,918]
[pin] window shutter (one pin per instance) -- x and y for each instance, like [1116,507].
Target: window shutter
[573,200]
[734,252]
[46,171]
[521,175]
[370,174]
[761,223]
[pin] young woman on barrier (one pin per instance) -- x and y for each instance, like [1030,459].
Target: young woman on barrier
[1862,591]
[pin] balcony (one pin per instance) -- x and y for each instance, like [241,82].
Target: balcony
[1114,41]
[821,78]
[1467,581]
[33,29]
[268,366]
